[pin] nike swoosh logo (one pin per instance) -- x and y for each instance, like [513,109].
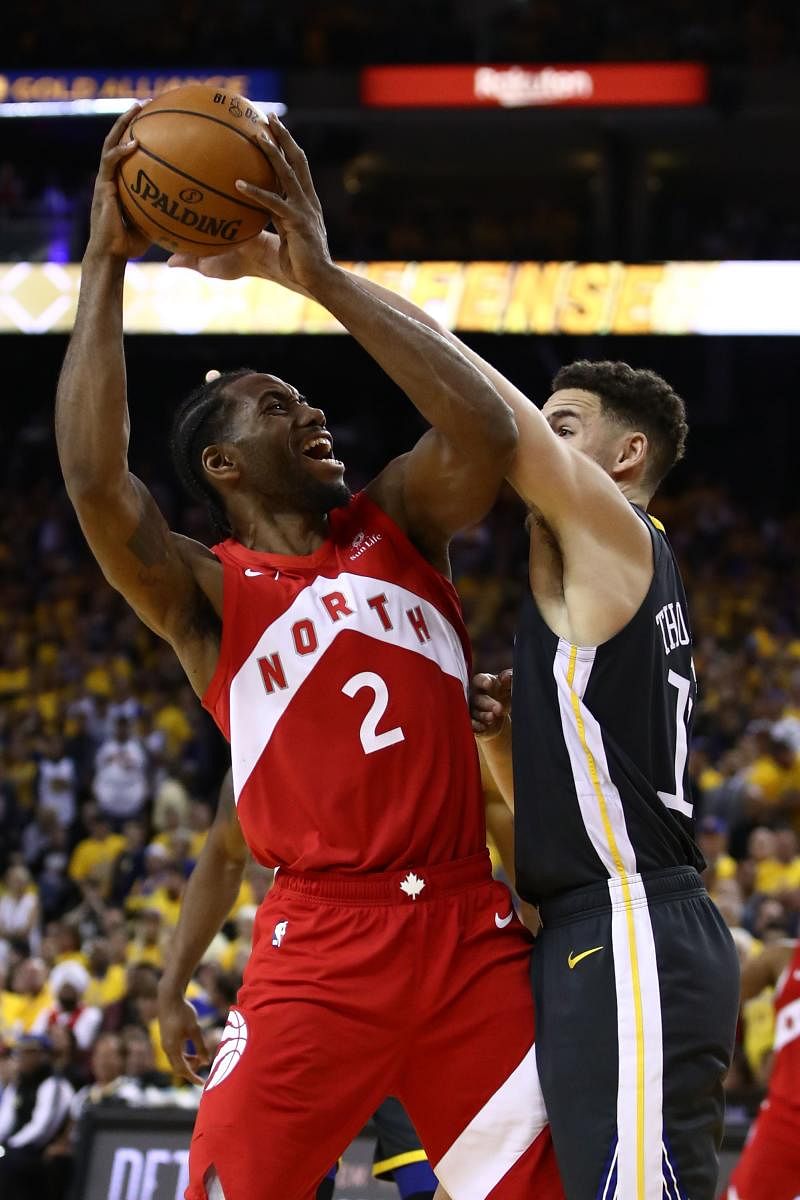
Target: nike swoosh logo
[251,573]
[573,959]
[501,922]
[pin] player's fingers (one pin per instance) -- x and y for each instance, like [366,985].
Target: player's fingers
[112,158]
[190,261]
[271,201]
[294,154]
[189,1063]
[277,159]
[116,131]
[504,686]
[483,704]
[483,682]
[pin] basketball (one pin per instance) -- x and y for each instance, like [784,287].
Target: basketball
[179,186]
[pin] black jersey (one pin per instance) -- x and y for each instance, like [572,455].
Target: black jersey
[601,737]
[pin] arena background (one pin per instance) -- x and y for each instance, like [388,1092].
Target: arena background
[605,181]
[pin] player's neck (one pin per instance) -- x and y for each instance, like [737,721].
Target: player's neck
[635,494]
[290,533]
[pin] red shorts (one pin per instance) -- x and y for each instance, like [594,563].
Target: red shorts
[413,984]
[769,1168]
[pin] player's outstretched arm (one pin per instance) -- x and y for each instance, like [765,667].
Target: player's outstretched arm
[120,519]
[210,895]
[569,489]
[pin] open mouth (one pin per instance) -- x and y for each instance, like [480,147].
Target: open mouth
[319,448]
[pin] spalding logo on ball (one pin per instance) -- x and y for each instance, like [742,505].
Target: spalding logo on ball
[178,187]
[230,1051]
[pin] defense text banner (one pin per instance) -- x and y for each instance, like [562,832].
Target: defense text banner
[720,298]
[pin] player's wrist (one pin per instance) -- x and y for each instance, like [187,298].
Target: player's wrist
[98,256]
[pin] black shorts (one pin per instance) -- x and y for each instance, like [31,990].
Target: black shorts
[637,995]
[397,1141]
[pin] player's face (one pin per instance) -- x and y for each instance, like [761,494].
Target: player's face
[578,417]
[285,450]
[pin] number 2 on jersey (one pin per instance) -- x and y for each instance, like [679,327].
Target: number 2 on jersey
[683,709]
[370,740]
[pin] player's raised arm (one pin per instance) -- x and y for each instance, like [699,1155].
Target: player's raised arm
[120,519]
[451,478]
[210,895]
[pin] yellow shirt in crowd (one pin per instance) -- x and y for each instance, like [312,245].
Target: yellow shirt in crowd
[94,852]
[775,876]
[108,990]
[18,1013]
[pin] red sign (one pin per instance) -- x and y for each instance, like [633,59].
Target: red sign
[586,85]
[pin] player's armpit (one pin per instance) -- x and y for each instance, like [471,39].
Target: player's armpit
[436,490]
[150,567]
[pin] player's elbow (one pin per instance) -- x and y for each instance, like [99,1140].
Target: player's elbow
[503,434]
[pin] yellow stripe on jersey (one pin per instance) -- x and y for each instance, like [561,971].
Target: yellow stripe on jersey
[399,1160]
[632,948]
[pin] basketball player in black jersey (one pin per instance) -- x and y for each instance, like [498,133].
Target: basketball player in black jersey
[635,974]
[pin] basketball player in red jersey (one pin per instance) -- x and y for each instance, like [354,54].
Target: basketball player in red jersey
[633,1039]
[769,1168]
[385,959]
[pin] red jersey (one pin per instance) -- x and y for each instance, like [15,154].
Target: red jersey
[784,1082]
[341,685]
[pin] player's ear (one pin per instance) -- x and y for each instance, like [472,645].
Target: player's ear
[631,453]
[220,463]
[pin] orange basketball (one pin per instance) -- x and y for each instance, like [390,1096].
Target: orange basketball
[179,185]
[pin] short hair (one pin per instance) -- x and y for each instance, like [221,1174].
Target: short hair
[200,421]
[640,399]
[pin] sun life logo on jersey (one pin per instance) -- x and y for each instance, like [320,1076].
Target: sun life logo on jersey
[230,1051]
[412,885]
[279,933]
[363,542]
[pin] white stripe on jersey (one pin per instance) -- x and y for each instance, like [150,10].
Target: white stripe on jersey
[585,788]
[255,713]
[639,1031]
[497,1136]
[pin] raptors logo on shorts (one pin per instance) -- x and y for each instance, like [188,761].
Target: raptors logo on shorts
[231,1049]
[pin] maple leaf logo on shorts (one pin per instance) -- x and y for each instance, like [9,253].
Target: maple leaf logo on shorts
[412,885]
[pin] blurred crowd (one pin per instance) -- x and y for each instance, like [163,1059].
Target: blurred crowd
[376,209]
[109,774]
[314,33]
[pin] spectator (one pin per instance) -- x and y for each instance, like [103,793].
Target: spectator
[237,952]
[107,1065]
[58,781]
[100,848]
[89,915]
[28,996]
[33,1110]
[147,946]
[19,909]
[69,982]
[120,781]
[68,1061]
[107,983]
[129,866]
[712,838]
[140,1061]
[773,781]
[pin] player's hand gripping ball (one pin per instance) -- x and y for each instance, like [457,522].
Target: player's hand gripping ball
[179,186]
